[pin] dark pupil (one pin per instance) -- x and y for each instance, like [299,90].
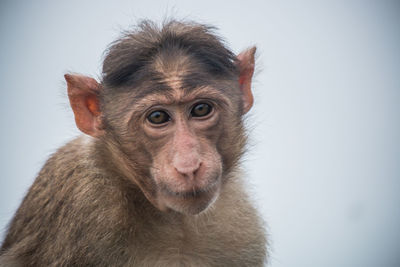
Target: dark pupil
[158,117]
[201,110]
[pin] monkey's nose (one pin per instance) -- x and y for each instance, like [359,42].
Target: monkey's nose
[188,172]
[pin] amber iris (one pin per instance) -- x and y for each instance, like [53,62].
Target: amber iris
[158,117]
[201,110]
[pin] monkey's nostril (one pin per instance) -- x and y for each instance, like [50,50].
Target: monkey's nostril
[188,172]
[196,170]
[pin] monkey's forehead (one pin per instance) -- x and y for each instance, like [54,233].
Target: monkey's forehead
[176,83]
[176,96]
[176,72]
[150,48]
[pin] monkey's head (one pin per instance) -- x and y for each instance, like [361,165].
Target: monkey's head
[169,110]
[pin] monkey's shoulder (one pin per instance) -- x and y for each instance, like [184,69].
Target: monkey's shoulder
[62,176]
[73,194]
[74,176]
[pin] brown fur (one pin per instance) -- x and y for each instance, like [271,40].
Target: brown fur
[96,200]
[97,218]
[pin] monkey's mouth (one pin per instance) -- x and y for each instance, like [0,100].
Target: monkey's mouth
[194,193]
[189,201]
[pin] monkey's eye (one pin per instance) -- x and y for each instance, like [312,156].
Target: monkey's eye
[158,117]
[201,110]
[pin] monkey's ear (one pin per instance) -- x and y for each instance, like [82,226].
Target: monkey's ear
[83,96]
[246,65]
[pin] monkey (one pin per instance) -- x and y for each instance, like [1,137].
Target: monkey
[155,177]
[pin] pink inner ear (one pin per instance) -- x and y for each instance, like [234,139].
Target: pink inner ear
[246,67]
[82,93]
[92,104]
[241,80]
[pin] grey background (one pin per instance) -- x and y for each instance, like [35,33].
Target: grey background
[324,160]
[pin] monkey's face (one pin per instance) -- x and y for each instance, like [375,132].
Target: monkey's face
[181,133]
[175,129]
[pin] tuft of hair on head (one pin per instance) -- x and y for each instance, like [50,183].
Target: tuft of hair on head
[130,59]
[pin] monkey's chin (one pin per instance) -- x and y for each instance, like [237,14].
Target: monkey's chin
[189,203]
